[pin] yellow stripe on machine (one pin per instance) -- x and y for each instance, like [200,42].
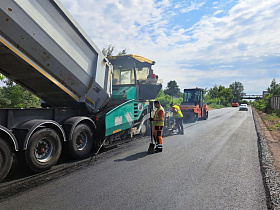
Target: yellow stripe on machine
[136,57]
[38,69]
[90,100]
[110,73]
[116,131]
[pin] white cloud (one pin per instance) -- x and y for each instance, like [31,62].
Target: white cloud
[218,12]
[194,6]
[218,49]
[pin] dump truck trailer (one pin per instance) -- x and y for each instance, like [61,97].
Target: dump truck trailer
[43,49]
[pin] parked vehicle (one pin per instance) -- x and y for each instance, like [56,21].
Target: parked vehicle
[235,103]
[243,107]
[192,106]
[43,49]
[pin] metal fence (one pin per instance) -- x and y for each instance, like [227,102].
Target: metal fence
[275,102]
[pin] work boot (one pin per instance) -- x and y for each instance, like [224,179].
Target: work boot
[158,150]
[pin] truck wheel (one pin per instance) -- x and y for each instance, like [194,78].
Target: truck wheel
[43,150]
[82,141]
[6,159]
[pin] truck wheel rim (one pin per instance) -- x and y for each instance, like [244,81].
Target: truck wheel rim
[44,150]
[81,141]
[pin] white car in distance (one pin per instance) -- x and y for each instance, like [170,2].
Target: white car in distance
[243,107]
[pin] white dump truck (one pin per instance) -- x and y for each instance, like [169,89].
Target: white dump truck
[43,49]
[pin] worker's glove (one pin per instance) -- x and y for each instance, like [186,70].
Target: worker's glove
[151,119]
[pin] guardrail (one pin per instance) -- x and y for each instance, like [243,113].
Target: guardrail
[275,102]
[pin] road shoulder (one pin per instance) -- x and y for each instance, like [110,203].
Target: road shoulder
[271,177]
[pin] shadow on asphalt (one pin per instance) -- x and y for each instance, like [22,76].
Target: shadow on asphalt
[18,171]
[133,157]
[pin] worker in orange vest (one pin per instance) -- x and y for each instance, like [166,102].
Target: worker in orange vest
[158,123]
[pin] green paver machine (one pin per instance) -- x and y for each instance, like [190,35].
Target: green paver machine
[132,90]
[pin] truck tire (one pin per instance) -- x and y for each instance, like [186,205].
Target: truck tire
[6,159]
[82,141]
[43,150]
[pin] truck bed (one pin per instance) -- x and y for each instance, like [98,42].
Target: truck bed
[43,49]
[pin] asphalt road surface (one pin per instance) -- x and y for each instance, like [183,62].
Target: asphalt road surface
[214,165]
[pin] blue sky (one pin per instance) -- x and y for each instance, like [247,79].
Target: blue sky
[198,43]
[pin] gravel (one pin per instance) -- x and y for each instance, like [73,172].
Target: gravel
[271,177]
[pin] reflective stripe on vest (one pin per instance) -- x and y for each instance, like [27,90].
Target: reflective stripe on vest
[158,123]
[179,113]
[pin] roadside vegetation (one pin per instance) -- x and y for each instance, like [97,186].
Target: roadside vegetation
[215,97]
[13,95]
[270,116]
[264,104]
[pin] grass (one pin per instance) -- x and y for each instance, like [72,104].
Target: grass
[274,119]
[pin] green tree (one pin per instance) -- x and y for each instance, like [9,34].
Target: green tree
[213,92]
[238,89]
[274,88]
[263,104]
[109,51]
[219,96]
[14,96]
[226,95]
[165,100]
[123,52]
[172,89]
[2,77]
[4,102]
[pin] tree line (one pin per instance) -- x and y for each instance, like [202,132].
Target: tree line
[216,97]
[13,95]
[265,104]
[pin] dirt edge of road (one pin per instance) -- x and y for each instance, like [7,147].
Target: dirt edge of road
[269,161]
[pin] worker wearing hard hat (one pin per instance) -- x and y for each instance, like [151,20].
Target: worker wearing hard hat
[178,115]
[158,123]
